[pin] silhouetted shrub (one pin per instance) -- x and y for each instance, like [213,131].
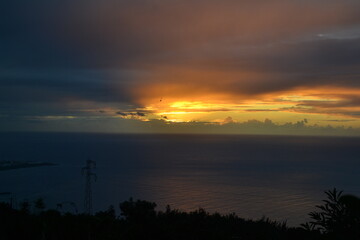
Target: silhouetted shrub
[140,220]
[25,206]
[108,214]
[338,217]
[39,205]
[138,211]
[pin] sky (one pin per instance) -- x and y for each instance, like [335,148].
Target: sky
[171,66]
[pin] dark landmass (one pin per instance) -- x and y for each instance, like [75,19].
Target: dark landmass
[9,165]
[336,219]
[139,220]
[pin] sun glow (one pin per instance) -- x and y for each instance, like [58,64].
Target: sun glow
[319,105]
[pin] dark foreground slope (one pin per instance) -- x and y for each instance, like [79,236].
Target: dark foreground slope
[337,218]
[140,221]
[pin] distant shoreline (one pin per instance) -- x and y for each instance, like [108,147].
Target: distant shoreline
[7,165]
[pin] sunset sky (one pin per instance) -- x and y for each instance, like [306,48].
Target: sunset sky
[166,66]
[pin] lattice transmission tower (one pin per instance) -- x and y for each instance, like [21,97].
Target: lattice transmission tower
[89,175]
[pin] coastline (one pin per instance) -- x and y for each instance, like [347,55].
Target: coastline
[10,165]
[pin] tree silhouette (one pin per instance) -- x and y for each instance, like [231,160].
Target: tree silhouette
[39,205]
[336,218]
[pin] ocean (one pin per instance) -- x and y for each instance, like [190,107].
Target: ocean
[280,177]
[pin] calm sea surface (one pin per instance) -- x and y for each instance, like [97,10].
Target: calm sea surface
[275,176]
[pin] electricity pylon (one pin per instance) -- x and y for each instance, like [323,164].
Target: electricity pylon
[88,171]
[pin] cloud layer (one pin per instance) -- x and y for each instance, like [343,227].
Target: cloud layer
[72,58]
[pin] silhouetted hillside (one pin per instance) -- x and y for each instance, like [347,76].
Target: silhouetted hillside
[138,220]
[338,218]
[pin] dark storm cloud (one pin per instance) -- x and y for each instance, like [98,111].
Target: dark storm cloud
[76,33]
[347,105]
[115,33]
[315,62]
[62,85]
[58,51]
[311,57]
[346,101]
[25,39]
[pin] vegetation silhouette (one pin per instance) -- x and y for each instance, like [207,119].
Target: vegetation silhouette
[337,218]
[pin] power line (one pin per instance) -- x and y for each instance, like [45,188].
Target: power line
[88,172]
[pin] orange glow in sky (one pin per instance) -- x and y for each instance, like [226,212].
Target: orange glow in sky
[317,105]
